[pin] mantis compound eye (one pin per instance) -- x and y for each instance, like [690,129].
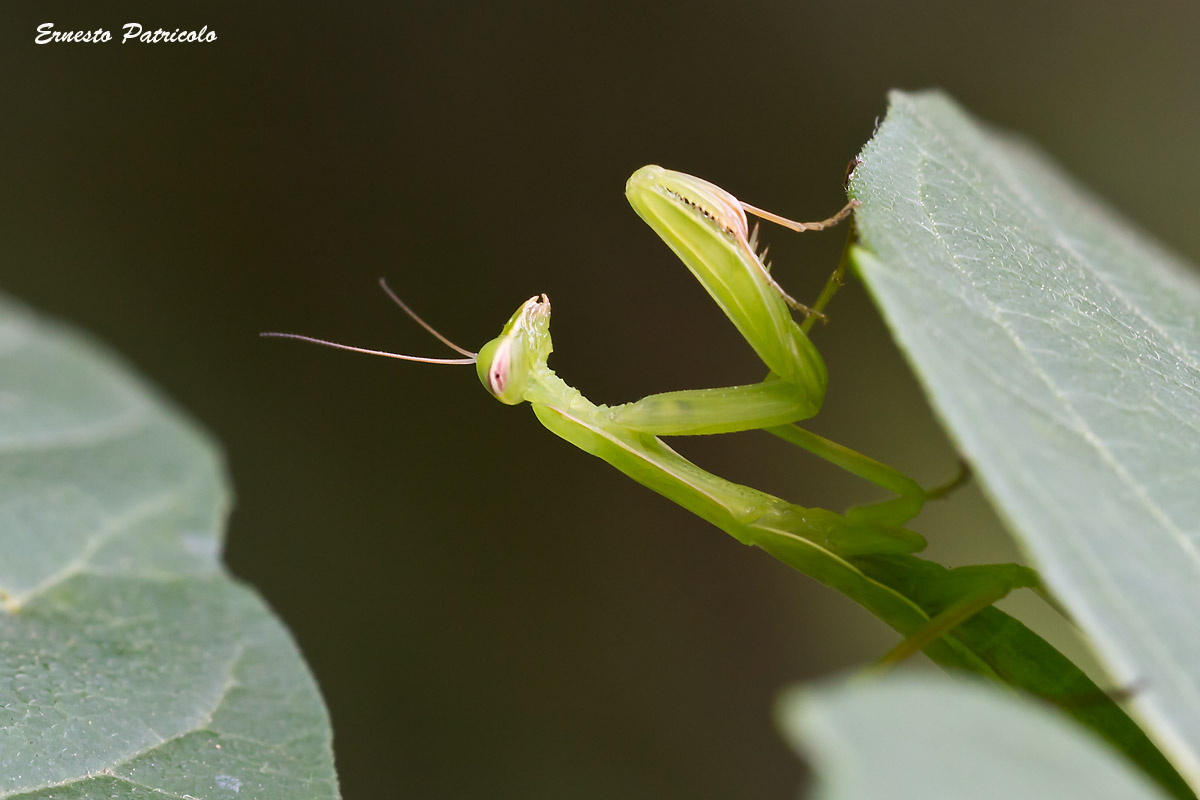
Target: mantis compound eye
[502,368]
[498,371]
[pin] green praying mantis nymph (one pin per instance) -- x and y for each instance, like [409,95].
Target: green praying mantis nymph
[865,553]
[707,229]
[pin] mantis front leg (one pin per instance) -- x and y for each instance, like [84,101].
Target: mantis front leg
[707,228]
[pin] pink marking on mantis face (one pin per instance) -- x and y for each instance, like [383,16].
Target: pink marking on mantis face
[498,371]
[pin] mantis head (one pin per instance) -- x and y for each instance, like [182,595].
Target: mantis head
[508,364]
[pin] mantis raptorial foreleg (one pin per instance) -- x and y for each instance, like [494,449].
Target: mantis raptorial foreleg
[706,227]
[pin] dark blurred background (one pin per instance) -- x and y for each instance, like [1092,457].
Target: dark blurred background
[489,612]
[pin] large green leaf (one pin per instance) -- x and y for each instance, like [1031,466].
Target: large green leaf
[131,665]
[921,737]
[1061,349]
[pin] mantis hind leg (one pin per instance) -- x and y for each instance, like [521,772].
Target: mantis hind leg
[958,595]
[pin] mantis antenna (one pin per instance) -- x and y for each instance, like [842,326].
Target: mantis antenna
[469,356]
[423,323]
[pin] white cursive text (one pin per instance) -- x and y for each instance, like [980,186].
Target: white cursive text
[133,32]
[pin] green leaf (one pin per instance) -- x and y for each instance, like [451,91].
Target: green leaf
[923,737]
[1009,652]
[1061,349]
[131,665]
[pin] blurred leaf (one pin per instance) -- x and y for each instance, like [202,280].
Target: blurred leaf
[926,737]
[131,665]
[1061,349]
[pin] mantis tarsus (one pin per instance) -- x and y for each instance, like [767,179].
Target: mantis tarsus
[864,553]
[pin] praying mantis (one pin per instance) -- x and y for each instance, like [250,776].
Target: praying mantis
[865,553]
[707,229]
